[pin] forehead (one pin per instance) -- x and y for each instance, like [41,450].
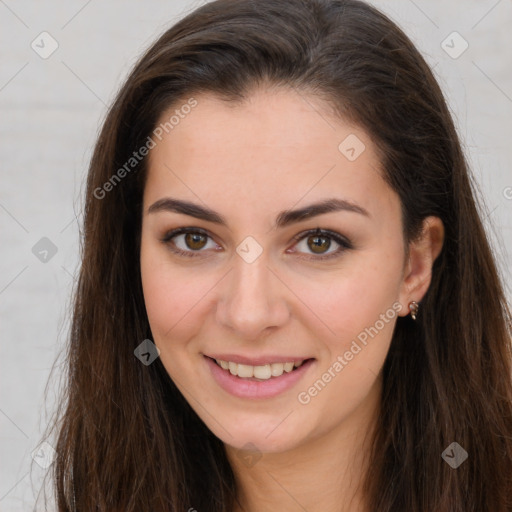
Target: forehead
[278,122]
[276,146]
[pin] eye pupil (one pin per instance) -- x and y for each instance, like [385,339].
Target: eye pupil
[319,244]
[195,241]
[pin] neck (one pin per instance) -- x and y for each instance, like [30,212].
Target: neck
[325,473]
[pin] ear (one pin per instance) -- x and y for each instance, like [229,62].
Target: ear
[418,267]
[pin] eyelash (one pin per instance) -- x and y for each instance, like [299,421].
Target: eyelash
[343,242]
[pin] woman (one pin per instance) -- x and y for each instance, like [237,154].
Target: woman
[287,300]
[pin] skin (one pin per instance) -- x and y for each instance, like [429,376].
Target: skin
[278,150]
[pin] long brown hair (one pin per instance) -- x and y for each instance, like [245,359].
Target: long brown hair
[127,439]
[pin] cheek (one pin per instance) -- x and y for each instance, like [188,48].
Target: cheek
[360,308]
[173,304]
[172,298]
[363,290]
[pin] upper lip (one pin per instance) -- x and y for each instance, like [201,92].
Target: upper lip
[256,361]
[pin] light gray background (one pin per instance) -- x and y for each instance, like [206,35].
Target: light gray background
[51,110]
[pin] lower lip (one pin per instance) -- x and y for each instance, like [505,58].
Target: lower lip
[245,388]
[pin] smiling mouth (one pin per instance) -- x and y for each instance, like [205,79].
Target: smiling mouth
[261,372]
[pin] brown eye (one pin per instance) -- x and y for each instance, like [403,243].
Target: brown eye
[318,244]
[322,244]
[189,242]
[195,241]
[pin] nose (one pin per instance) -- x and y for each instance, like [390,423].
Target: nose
[252,299]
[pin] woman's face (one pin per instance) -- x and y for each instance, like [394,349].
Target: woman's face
[251,284]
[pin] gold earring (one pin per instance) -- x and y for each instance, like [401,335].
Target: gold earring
[413,307]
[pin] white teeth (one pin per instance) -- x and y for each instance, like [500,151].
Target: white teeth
[276,369]
[244,370]
[263,372]
[288,367]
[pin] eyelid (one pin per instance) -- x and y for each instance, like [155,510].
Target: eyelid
[184,230]
[167,240]
[342,241]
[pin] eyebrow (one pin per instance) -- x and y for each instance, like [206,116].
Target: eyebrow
[285,218]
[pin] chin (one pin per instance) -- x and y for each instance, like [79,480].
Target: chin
[266,435]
